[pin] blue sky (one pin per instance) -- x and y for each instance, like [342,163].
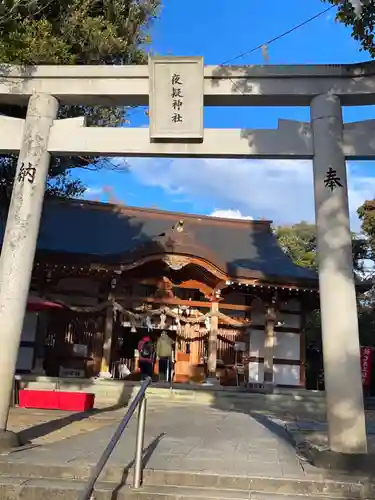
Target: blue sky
[241,188]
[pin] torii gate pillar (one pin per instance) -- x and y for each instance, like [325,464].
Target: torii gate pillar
[18,249]
[341,350]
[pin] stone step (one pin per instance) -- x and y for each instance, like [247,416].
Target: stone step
[14,488]
[73,477]
[198,493]
[113,392]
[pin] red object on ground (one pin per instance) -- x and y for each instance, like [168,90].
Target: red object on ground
[36,304]
[366,365]
[38,399]
[75,401]
[56,400]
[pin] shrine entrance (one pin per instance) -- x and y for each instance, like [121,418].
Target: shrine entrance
[176,90]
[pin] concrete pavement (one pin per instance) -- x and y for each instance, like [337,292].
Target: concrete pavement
[190,451]
[186,438]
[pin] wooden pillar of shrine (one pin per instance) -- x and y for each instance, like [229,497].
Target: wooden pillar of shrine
[41,331]
[269,345]
[105,366]
[212,343]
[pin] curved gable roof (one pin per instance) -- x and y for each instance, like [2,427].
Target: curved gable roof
[117,234]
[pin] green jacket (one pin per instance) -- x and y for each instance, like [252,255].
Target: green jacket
[164,346]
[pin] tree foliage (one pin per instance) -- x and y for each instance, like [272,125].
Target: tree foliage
[71,32]
[299,243]
[75,31]
[359,15]
[366,214]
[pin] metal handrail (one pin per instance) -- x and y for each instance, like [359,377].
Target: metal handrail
[140,401]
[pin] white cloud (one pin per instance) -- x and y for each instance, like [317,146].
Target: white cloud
[280,190]
[102,193]
[230,214]
[93,191]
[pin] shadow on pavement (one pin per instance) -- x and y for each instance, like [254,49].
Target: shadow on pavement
[147,454]
[275,421]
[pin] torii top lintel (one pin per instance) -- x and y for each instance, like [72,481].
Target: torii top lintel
[279,85]
[176,89]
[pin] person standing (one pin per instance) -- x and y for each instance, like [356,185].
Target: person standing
[164,349]
[146,357]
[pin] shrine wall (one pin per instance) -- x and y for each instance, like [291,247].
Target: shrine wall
[288,354]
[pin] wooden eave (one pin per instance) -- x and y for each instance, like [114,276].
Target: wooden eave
[84,266]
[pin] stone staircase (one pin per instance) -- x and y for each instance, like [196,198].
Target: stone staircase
[49,478]
[113,392]
[29,482]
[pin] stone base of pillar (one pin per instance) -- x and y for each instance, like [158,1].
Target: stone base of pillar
[38,368]
[211,381]
[354,463]
[9,440]
[268,383]
[268,387]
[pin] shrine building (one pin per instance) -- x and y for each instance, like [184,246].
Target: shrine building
[222,289]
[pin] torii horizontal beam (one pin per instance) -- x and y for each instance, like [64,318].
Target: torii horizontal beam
[291,140]
[223,85]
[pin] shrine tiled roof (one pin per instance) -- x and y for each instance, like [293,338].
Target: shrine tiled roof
[105,233]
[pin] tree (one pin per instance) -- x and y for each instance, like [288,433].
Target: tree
[366,214]
[299,243]
[71,32]
[359,15]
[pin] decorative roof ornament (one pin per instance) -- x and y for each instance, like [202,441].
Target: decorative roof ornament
[179,237]
[179,226]
[176,262]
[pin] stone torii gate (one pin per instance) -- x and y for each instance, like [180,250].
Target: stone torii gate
[177,89]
